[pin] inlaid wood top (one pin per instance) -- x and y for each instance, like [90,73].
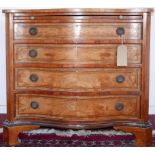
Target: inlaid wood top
[81,11]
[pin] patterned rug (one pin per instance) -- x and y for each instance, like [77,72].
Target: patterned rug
[75,138]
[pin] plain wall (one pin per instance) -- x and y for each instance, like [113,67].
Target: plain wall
[3,66]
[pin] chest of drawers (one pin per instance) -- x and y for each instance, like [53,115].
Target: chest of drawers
[62,70]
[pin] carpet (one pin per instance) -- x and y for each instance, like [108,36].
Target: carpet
[47,137]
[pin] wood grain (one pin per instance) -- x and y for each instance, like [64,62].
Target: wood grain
[105,54]
[77,108]
[42,18]
[79,11]
[78,79]
[13,133]
[143,136]
[76,70]
[77,31]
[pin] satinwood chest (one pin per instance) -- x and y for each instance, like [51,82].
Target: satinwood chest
[79,69]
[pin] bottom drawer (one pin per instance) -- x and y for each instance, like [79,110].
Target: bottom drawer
[77,108]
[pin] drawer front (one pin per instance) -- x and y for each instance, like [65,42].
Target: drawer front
[77,79]
[76,31]
[74,54]
[77,108]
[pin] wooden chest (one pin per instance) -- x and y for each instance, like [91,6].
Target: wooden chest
[63,70]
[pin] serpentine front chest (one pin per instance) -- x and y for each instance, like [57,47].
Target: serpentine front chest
[79,69]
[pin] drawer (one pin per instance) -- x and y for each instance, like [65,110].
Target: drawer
[77,79]
[104,54]
[75,31]
[77,108]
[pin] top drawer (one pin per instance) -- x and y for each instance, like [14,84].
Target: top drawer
[75,32]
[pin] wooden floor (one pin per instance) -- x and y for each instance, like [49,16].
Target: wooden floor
[152,119]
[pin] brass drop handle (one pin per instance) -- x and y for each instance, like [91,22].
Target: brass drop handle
[120,31]
[33,31]
[34,105]
[34,77]
[33,53]
[120,79]
[119,106]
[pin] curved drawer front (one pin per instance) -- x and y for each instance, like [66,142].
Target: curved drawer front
[77,108]
[78,79]
[74,54]
[76,31]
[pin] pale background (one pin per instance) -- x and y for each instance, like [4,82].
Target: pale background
[75,4]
